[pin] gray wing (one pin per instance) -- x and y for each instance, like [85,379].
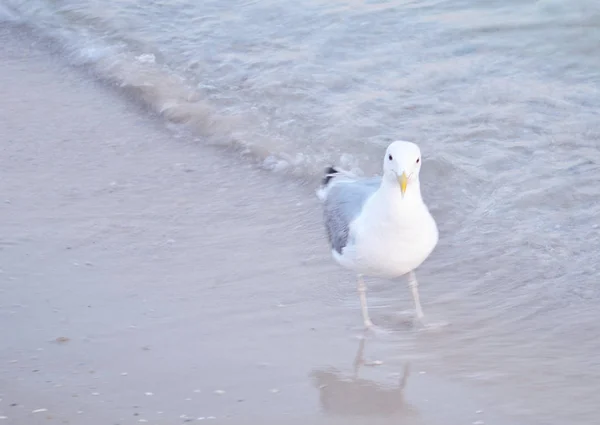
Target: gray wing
[343,204]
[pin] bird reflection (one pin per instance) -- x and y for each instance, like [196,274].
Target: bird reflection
[342,395]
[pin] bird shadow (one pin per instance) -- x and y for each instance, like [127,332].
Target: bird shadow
[348,395]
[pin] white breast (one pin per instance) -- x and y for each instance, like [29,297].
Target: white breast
[390,242]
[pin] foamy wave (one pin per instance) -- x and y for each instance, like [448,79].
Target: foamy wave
[142,75]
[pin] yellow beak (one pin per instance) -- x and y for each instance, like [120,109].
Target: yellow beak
[403,180]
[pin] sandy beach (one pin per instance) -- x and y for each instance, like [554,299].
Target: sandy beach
[162,253]
[147,278]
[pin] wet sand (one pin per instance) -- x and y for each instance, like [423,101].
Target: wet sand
[148,278]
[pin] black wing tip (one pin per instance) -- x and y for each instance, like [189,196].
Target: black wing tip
[330,172]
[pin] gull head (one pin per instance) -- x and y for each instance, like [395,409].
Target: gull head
[402,164]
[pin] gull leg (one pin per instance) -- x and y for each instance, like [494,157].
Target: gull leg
[414,287]
[362,289]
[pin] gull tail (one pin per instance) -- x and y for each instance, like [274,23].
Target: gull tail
[330,173]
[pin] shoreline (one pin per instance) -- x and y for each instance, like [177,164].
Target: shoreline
[150,254]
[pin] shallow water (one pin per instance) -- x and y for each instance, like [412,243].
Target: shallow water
[501,96]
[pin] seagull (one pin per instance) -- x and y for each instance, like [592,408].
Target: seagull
[380,226]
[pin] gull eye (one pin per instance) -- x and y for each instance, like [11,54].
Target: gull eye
[418,160]
[390,157]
